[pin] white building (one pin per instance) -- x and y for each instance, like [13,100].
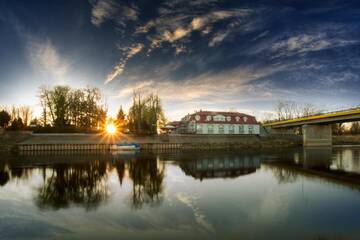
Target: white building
[207,122]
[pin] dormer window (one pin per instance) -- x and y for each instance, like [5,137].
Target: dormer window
[219,118]
[197,117]
[228,118]
[208,118]
[237,118]
[245,119]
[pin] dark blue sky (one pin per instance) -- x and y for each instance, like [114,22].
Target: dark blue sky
[199,54]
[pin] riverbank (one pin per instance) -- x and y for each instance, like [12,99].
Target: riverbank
[10,140]
[89,141]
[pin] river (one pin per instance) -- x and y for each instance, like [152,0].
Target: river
[249,194]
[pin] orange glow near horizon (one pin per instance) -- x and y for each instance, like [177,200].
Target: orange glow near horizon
[110,129]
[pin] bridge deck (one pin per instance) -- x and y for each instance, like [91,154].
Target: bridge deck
[331,117]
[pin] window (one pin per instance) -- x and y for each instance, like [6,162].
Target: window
[221,129]
[231,129]
[199,128]
[237,118]
[245,119]
[210,129]
[208,118]
[241,129]
[192,126]
[228,118]
[197,117]
[251,129]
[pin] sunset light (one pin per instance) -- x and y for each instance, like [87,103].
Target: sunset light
[198,118]
[110,129]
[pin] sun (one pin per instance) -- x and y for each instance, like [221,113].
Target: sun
[110,128]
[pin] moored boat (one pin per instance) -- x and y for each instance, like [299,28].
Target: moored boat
[126,146]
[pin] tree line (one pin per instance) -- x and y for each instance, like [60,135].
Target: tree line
[146,114]
[15,117]
[62,109]
[65,109]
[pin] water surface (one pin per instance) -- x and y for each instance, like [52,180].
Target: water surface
[283,194]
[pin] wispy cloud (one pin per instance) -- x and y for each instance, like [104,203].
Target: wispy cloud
[231,82]
[209,90]
[171,28]
[119,68]
[176,22]
[45,58]
[333,78]
[304,43]
[218,38]
[255,69]
[104,10]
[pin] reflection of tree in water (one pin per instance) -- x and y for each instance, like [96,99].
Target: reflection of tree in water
[4,175]
[84,182]
[21,173]
[283,175]
[147,179]
[8,172]
[78,184]
[120,169]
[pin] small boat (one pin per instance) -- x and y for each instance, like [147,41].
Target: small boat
[125,146]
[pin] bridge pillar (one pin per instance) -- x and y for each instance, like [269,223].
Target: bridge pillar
[317,135]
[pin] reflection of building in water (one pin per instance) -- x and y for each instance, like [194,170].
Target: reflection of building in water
[220,167]
[338,159]
[331,164]
[347,160]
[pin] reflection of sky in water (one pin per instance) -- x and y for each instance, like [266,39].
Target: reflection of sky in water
[269,203]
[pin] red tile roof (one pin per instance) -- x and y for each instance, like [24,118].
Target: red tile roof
[234,117]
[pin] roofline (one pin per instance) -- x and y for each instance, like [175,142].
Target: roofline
[219,112]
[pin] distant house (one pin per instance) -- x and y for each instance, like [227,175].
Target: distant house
[208,122]
[171,127]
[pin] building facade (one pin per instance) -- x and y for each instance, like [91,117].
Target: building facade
[208,122]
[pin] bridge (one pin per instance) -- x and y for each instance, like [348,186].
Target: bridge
[317,128]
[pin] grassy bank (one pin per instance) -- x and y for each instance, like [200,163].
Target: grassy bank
[168,141]
[10,139]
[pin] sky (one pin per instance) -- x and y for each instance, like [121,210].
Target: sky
[198,54]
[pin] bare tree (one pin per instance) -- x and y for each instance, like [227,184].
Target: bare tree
[290,110]
[309,109]
[25,113]
[355,128]
[338,128]
[14,113]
